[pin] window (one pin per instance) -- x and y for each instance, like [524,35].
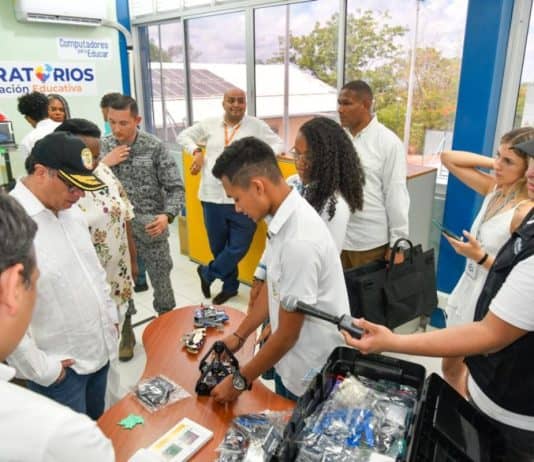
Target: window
[291,89]
[524,111]
[217,60]
[296,64]
[379,45]
[164,80]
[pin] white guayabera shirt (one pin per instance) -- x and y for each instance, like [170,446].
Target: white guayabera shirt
[74,315]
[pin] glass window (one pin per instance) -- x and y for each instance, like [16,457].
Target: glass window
[151,76]
[166,84]
[524,111]
[381,36]
[172,78]
[380,41]
[162,72]
[290,90]
[217,60]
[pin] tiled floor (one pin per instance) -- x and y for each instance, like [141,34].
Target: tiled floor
[186,287]
[187,292]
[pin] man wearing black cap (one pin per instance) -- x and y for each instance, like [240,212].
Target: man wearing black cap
[65,353]
[498,347]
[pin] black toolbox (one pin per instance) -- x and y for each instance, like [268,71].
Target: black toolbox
[444,426]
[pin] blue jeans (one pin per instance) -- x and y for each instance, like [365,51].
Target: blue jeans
[82,393]
[230,234]
[281,390]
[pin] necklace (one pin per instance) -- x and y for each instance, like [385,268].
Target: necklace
[498,202]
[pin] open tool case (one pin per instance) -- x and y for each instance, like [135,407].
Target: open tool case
[443,428]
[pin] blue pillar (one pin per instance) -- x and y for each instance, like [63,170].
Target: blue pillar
[123,17]
[485,44]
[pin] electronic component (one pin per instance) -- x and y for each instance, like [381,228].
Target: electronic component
[209,316]
[217,363]
[194,340]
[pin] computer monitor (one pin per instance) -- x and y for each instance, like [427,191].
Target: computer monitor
[7,135]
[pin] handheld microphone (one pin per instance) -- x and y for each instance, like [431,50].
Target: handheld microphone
[291,304]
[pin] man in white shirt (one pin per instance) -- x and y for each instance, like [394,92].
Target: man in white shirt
[65,353]
[372,231]
[34,108]
[302,261]
[32,427]
[229,233]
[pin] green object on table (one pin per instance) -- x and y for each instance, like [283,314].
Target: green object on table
[131,421]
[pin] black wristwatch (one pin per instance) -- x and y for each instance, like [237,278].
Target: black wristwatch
[170,218]
[239,382]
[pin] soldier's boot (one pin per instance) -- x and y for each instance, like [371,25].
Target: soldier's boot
[127,343]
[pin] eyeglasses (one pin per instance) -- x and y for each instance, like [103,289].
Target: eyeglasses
[72,189]
[299,157]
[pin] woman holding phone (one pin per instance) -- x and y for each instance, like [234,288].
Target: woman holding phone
[505,205]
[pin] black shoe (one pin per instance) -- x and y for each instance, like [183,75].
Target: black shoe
[222,297]
[141,287]
[204,285]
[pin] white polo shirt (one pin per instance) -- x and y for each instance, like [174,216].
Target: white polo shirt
[35,428]
[211,134]
[74,314]
[386,202]
[302,260]
[42,128]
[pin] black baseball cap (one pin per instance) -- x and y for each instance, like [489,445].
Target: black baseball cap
[527,147]
[69,155]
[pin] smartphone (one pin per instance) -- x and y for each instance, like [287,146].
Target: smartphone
[446,231]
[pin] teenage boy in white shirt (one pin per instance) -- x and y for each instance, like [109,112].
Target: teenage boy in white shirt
[302,260]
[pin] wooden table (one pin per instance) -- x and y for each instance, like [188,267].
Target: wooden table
[165,355]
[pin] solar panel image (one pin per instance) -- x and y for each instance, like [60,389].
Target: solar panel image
[204,83]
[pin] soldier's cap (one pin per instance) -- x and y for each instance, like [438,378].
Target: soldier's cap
[72,159]
[526,147]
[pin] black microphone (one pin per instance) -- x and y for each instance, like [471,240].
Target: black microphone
[343,322]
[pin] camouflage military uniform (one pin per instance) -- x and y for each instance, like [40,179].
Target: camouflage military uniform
[152,180]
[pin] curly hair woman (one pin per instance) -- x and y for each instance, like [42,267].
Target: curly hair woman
[331,173]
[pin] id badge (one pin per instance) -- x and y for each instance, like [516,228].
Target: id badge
[471,269]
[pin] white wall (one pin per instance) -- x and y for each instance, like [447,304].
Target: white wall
[30,44]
